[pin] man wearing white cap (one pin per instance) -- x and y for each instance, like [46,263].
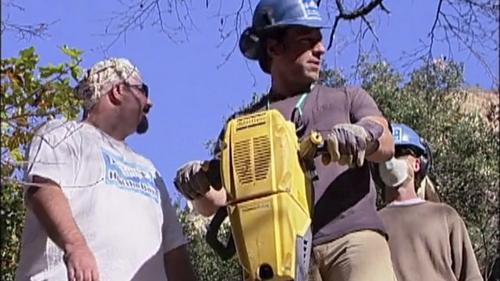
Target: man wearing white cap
[97,210]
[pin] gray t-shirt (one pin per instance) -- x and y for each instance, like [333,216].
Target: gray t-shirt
[344,198]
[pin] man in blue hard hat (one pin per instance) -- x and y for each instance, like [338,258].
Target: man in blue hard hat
[428,240]
[348,236]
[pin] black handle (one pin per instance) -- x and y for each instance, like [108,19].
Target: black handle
[225,251]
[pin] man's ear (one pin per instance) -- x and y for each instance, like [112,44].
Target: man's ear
[115,95]
[417,165]
[274,48]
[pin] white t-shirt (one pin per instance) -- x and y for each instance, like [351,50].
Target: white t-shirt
[117,197]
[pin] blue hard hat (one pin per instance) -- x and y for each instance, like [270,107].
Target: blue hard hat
[273,13]
[277,13]
[406,136]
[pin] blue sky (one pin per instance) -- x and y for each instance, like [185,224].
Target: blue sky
[191,90]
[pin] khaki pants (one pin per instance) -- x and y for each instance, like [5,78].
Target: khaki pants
[358,256]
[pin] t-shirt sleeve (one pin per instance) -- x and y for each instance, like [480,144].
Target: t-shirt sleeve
[172,234]
[464,263]
[362,104]
[51,155]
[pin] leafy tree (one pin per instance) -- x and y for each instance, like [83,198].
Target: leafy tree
[331,77]
[31,95]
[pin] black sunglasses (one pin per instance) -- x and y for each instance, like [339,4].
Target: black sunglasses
[142,87]
[405,151]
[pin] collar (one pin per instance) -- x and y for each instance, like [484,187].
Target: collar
[273,97]
[408,202]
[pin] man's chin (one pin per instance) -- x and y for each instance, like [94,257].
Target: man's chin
[143,126]
[311,76]
[314,75]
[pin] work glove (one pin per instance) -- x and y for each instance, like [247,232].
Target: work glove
[191,179]
[348,144]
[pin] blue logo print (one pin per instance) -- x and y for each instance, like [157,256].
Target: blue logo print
[129,176]
[397,134]
[311,8]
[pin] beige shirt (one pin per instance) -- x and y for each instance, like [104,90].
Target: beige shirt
[429,241]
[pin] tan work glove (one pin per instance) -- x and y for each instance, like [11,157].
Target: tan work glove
[348,144]
[191,179]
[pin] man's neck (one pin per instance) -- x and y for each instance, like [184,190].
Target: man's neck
[103,123]
[403,193]
[283,89]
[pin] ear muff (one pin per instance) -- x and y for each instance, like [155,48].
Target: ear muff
[251,47]
[249,44]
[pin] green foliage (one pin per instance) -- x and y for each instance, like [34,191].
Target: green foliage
[331,77]
[31,94]
[208,266]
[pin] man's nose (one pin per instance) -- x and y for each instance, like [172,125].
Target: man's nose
[148,106]
[319,49]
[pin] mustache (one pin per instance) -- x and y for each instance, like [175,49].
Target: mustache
[143,126]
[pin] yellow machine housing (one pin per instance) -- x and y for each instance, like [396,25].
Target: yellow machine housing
[269,197]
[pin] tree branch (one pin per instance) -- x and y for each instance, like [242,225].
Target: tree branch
[359,12]
[26,31]
[436,20]
[368,24]
[139,13]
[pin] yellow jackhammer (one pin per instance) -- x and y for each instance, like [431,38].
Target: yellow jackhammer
[268,176]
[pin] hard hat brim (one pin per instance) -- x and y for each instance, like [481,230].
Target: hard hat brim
[249,43]
[305,22]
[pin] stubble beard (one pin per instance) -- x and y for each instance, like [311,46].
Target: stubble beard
[143,126]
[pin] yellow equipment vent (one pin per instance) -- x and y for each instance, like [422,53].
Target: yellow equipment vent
[262,152]
[248,168]
[243,161]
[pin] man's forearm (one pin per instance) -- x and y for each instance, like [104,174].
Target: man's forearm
[385,148]
[208,204]
[53,211]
